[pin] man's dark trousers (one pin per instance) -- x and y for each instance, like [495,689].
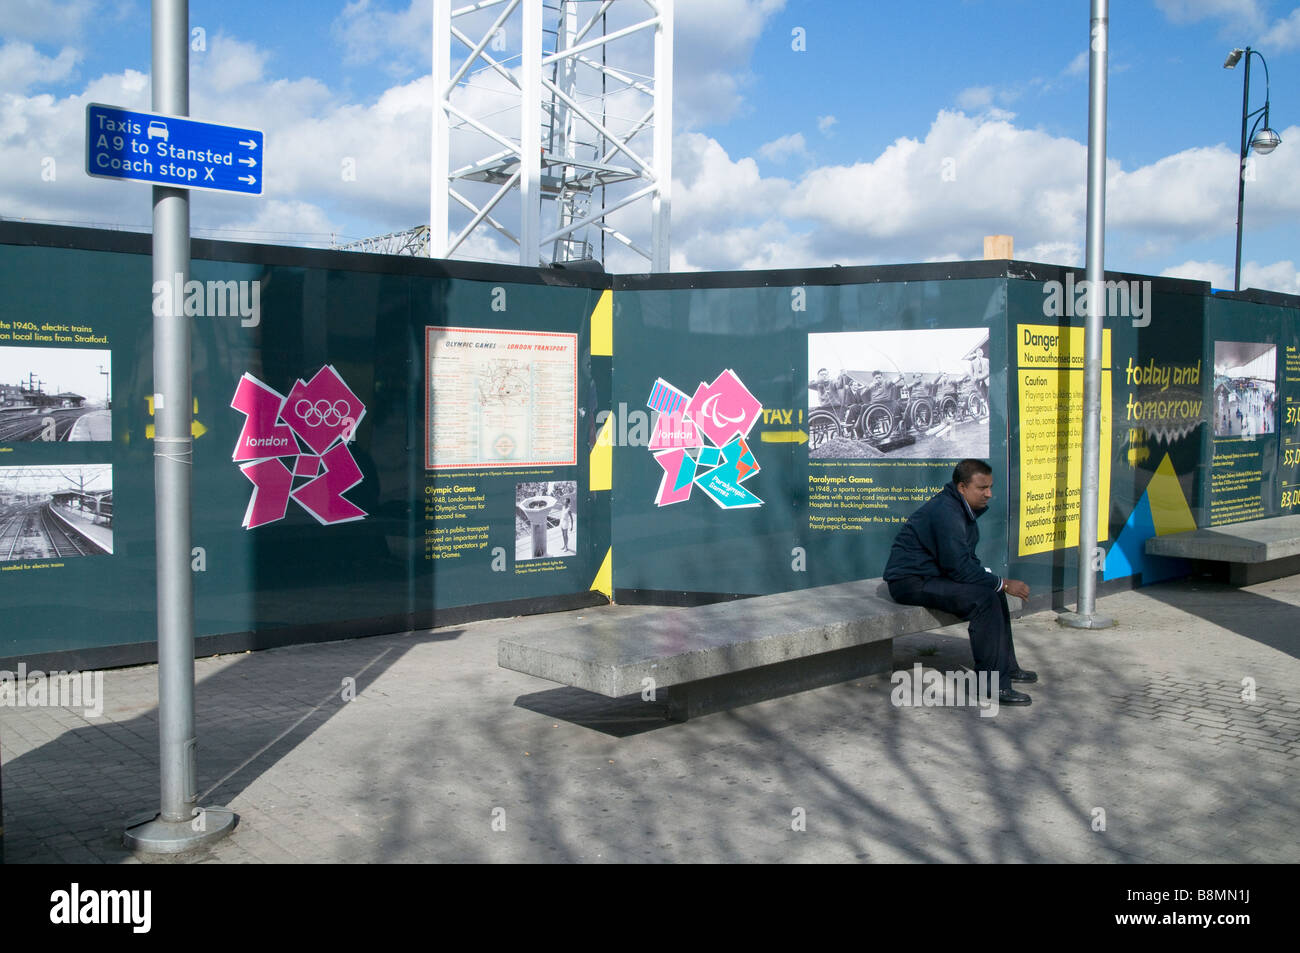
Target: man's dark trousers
[985,608]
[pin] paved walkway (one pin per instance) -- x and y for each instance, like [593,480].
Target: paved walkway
[442,756]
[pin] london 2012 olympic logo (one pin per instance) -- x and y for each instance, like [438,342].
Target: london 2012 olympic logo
[296,448]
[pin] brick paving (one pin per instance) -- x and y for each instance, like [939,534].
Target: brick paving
[1143,745]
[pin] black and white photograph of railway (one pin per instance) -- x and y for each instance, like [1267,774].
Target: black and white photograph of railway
[55,393]
[56,512]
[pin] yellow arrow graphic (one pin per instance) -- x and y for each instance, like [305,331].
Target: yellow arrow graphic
[784,436]
[196,428]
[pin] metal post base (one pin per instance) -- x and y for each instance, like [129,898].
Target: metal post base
[1074,620]
[150,834]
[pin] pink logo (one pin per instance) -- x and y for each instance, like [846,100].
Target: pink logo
[262,436]
[322,411]
[302,439]
[724,409]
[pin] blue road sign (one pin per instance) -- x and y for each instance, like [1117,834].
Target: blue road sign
[169,150]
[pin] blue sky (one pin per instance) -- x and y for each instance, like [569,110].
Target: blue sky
[782,157]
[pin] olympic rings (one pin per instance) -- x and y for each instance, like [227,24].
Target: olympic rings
[322,413]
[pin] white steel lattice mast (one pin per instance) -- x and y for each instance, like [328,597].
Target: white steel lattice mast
[557,131]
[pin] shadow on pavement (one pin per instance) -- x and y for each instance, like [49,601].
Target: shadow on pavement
[68,799]
[1270,622]
[616,717]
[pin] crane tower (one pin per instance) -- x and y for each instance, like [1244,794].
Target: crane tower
[551,120]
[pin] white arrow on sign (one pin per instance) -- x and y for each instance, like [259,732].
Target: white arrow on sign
[250,143]
[248,178]
[250,162]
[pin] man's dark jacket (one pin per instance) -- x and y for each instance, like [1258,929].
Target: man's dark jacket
[939,539]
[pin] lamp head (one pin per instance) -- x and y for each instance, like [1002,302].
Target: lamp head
[1265,141]
[1233,58]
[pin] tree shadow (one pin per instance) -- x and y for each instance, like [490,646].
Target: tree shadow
[872,781]
[56,812]
[435,764]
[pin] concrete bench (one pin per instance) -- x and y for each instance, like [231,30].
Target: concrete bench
[1255,552]
[711,658]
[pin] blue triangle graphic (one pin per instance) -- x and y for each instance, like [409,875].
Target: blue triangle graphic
[1128,556]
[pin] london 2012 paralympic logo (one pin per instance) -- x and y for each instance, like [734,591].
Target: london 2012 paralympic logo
[300,439]
[701,441]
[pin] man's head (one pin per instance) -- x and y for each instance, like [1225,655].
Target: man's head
[974,480]
[823,374]
[877,377]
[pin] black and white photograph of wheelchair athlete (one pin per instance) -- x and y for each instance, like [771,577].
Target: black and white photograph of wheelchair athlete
[916,395]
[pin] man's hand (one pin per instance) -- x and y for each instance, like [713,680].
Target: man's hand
[1014,587]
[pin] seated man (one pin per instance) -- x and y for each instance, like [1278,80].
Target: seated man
[933,564]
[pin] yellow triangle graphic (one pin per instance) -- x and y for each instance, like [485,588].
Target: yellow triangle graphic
[602,326]
[600,473]
[1169,510]
[604,581]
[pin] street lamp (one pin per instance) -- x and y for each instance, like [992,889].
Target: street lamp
[1264,142]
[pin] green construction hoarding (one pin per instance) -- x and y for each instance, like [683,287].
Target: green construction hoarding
[386,443]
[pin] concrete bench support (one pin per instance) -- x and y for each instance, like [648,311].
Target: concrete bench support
[722,692]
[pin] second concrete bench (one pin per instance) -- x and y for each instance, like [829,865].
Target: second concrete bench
[1255,552]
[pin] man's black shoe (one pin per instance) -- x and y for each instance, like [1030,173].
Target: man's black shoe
[1020,675]
[1009,696]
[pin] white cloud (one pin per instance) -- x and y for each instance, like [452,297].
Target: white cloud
[937,197]
[787,147]
[712,46]
[975,97]
[1235,12]
[51,20]
[402,39]
[1281,276]
[1079,65]
[1284,34]
[1183,193]
[709,186]
[825,124]
[968,178]
[22,67]
[982,98]
[1053,252]
[1219,276]
[726,30]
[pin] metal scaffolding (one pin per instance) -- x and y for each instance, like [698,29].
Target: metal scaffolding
[551,130]
[412,241]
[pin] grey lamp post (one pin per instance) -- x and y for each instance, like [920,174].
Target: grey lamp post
[1263,142]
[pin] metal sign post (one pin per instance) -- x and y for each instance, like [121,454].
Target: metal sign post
[1090,478]
[181,824]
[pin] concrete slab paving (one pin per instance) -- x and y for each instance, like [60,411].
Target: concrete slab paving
[1174,737]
